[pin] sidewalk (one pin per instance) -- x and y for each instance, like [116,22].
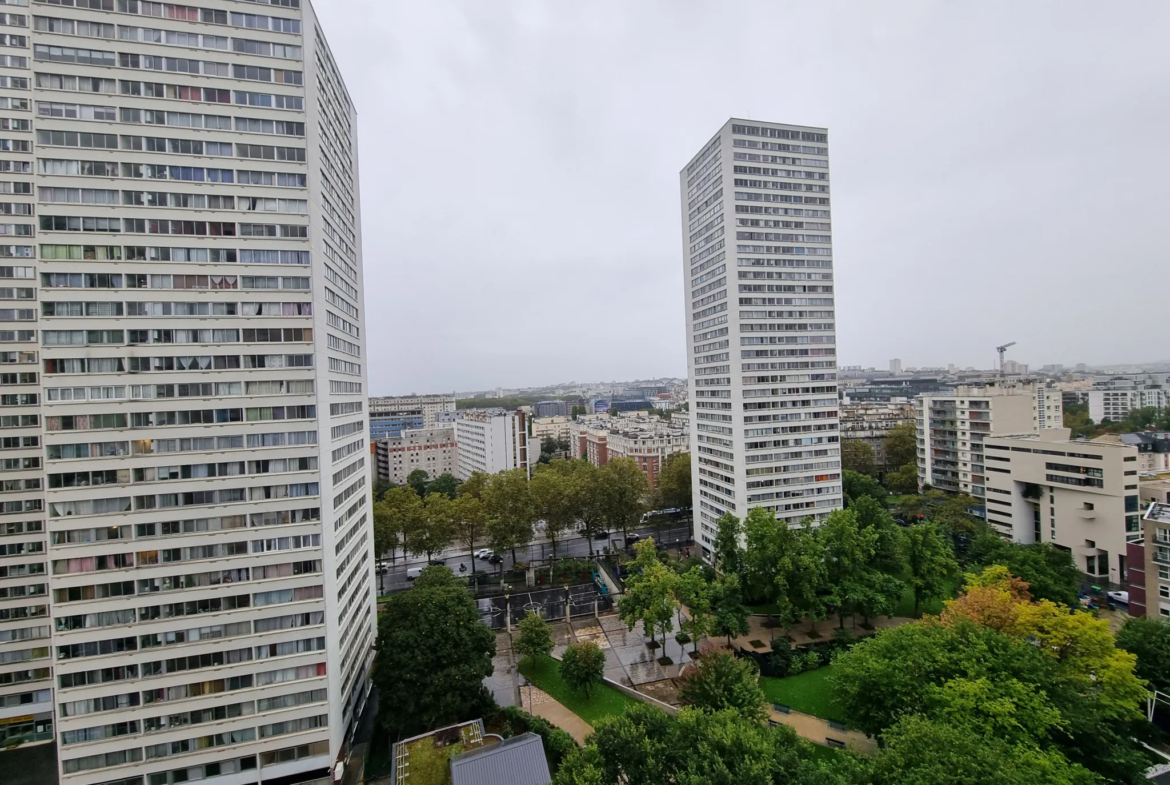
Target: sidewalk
[535,701]
[816,730]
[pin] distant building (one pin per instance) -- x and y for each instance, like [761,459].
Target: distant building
[951,429]
[550,428]
[492,441]
[429,406]
[1113,397]
[387,425]
[551,408]
[1081,496]
[895,367]
[1013,368]
[870,422]
[431,449]
[645,440]
[885,389]
[1153,449]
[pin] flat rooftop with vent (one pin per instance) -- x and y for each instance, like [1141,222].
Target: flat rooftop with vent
[465,755]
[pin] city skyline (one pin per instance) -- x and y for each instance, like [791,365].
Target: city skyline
[969,148]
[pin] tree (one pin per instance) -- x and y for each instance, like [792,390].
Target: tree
[401,513]
[645,746]
[729,617]
[436,576]
[381,485]
[1049,572]
[445,484]
[673,489]
[436,529]
[1148,639]
[418,479]
[588,502]
[624,490]
[904,479]
[856,485]
[552,498]
[511,514]
[929,560]
[847,552]
[649,592]
[857,456]
[720,681]
[728,545]
[921,751]
[767,560]
[693,591]
[808,579]
[583,665]
[577,411]
[901,447]
[469,524]
[887,553]
[534,638]
[433,655]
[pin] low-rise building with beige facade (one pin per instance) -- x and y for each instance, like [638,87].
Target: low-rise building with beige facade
[431,449]
[646,440]
[1081,496]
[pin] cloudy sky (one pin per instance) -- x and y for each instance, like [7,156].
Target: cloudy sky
[1000,171]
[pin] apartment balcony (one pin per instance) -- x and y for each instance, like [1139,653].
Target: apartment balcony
[980,427]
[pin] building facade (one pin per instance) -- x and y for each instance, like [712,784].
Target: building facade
[186,588]
[552,408]
[429,407]
[394,424]
[430,449]
[1114,397]
[871,423]
[550,428]
[761,332]
[645,440]
[1149,573]
[493,441]
[951,429]
[1081,496]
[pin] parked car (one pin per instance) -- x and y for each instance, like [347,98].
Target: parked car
[633,538]
[383,568]
[483,553]
[601,536]
[413,572]
[438,562]
[495,558]
[1120,597]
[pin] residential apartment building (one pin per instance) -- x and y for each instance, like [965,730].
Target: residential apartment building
[550,428]
[648,441]
[951,429]
[493,441]
[394,424]
[186,589]
[761,330]
[1081,496]
[429,407]
[1112,398]
[871,423]
[552,408]
[430,449]
[1153,449]
[1149,559]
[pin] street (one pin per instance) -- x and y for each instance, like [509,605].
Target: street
[576,546]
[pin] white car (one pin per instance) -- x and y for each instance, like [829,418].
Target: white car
[1121,597]
[483,553]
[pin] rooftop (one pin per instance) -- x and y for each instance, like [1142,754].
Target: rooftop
[425,759]
[1158,512]
[519,760]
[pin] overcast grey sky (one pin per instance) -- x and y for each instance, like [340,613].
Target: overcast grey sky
[1000,172]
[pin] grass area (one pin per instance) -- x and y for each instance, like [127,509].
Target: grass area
[429,764]
[806,692]
[905,607]
[604,701]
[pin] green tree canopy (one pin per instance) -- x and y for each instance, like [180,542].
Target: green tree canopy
[624,490]
[674,482]
[1148,637]
[433,655]
[904,479]
[729,545]
[857,456]
[418,480]
[856,485]
[583,665]
[1050,572]
[553,500]
[397,520]
[930,561]
[446,484]
[720,681]
[901,446]
[534,638]
[511,513]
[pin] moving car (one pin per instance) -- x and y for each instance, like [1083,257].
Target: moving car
[601,535]
[483,553]
[413,572]
[495,558]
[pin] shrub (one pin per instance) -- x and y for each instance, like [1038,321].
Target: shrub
[780,658]
[557,743]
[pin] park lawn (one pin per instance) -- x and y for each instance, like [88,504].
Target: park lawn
[932,606]
[806,692]
[603,701]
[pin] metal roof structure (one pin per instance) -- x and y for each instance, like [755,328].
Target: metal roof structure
[519,760]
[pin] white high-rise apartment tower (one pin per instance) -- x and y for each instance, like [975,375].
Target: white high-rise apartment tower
[186,588]
[761,343]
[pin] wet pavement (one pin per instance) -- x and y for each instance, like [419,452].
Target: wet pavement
[502,682]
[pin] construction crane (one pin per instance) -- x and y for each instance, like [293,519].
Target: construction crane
[1003,350]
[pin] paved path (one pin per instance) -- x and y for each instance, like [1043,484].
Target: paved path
[538,702]
[818,731]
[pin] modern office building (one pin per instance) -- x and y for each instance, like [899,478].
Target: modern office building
[391,425]
[429,407]
[430,449]
[761,339]
[186,588]
[1081,496]
[552,408]
[951,429]
[493,441]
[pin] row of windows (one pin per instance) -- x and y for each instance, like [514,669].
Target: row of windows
[167,281]
[72,223]
[135,308]
[159,144]
[195,174]
[134,253]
